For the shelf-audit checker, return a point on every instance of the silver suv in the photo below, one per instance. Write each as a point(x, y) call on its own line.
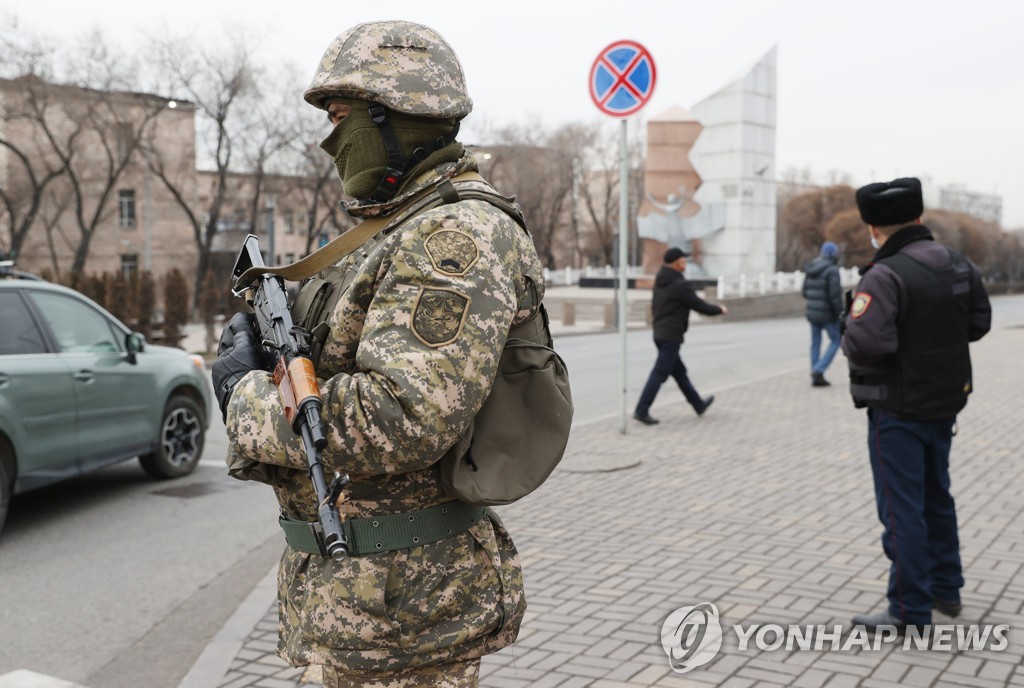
point(79, 391)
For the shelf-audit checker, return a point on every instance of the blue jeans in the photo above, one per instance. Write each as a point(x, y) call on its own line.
point(668, 363)
point(910, 468)
point(820, 363)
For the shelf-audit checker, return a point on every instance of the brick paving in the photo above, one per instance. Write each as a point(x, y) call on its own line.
point(764, 507)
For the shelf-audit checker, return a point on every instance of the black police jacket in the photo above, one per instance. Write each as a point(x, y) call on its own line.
point(917, 307)
point(672, 301)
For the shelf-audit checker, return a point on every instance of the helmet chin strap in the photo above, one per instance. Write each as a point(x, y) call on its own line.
point(398, 164)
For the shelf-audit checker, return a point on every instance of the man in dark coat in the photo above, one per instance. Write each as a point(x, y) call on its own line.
point(917, 307)
point(672, 302)
point(824, 296)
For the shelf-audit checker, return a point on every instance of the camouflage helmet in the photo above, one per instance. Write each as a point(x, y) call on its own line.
point(404, 66)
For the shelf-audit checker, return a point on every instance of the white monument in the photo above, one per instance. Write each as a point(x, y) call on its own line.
point(735, 158)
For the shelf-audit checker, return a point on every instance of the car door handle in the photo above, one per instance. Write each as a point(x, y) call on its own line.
point(4, 380)
point(85, 376)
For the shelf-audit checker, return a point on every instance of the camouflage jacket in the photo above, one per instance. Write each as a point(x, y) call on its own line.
point(413, 347)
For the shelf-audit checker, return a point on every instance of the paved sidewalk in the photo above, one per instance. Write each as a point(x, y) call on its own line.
point(763, 507)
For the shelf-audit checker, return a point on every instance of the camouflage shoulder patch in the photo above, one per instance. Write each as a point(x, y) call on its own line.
point(860, 304)
point(439, 315)
point(451, 252)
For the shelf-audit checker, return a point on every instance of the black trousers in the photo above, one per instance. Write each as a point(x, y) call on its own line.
point(669, 363)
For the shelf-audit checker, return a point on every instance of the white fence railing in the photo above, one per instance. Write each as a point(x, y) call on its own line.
point(568, 276)
point(775, 283)
point(728, 287)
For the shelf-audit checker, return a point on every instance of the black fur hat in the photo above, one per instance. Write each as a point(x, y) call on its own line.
point(890, 203)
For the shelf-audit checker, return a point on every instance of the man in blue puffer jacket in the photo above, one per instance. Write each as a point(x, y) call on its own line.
point(824, 295)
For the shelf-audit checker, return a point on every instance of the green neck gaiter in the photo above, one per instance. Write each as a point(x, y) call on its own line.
point(361, 158)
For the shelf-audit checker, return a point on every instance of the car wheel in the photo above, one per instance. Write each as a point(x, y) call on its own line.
point(180, 442)
point(5, 493)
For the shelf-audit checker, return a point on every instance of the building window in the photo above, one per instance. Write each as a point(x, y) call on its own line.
point(125, 140)
point(126, 206)
point(129, 264)
point(288, 217)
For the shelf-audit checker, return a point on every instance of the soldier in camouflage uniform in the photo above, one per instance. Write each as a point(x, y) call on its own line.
point(406, 352)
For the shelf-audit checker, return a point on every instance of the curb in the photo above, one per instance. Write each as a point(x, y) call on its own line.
point(215, 661)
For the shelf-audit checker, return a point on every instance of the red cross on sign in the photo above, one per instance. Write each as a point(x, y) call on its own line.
point(622, 78)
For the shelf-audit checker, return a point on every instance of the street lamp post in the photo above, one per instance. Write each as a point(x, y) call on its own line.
point(269, 221)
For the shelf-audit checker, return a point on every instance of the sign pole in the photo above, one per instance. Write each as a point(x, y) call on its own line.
point(623, 274)
point(621, 82)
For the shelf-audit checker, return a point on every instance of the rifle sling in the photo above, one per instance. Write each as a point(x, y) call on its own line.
point(339, 247)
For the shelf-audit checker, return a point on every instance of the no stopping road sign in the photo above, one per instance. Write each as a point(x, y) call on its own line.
point(622, 78)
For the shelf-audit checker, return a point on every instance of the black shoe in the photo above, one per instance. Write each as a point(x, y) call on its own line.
point(950, 608)
point(646, 418)
point(871, 622)
point(818, 380)
point(704, 406)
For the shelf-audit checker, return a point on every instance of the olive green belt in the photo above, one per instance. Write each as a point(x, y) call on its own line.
point(387, 533)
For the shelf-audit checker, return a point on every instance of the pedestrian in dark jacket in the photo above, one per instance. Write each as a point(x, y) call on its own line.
point(672, 302)
point(917, 307)
point(824, 295)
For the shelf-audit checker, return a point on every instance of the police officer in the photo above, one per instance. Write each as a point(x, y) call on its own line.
point(916, 308)
point(407, 334)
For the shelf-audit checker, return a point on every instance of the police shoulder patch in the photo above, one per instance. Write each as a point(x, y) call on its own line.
point(860, 304)
point(451, 252)
point(439, 315)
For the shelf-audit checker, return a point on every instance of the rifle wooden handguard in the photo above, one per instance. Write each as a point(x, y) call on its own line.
point(296, 382)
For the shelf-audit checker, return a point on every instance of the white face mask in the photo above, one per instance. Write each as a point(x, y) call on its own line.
point(874, 243)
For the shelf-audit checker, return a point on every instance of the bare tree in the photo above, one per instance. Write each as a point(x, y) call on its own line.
point(57, 201)
point(283, 142)
point(267, 129)
point(526, 160)
point(802, 221)
point(848, 231)
point(26, 65)
point(572, 141)
point(312, 176)
point(76, 118)
point(220, 80)
point(600, 193)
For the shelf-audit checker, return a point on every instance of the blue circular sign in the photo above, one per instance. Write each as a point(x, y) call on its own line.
point(622, 78)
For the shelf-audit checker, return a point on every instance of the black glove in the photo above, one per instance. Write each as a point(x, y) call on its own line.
point(239, 353)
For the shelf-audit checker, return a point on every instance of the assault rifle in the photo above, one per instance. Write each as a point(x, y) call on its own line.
point(288, 347)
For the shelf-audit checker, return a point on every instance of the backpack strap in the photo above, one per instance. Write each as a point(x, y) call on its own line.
point(536, 329)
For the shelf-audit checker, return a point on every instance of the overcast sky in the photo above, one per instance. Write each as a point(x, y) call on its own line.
point(872, 89)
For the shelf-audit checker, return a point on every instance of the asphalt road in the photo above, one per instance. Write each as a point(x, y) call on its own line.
point(116, 581)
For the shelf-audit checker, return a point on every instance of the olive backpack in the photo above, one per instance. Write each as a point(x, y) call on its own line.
point(520, 433)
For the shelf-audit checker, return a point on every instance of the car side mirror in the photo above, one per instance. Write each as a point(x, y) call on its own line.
point(135, 344)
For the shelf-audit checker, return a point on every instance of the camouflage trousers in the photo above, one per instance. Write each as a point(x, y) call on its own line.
point(461, 675)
